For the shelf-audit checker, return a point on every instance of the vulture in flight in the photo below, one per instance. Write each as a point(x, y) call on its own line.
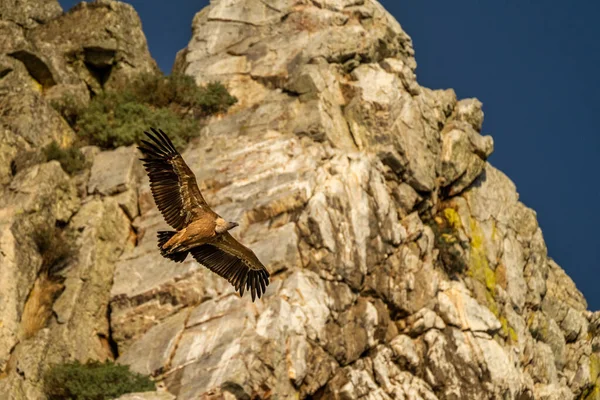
point(198, 229)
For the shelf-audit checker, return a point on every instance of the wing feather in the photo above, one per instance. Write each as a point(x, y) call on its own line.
point(172, 182)
point(236, 263)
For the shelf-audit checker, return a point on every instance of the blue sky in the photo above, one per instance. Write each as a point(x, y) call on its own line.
point(536, 70)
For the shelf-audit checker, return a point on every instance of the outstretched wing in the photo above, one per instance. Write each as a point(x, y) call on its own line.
point(234, 262)
point(172, 182)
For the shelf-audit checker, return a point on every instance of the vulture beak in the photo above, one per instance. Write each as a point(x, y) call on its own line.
point(231, 225)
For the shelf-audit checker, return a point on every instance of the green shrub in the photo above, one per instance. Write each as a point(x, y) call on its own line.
point(173, 103)
point(214, 98)
point(116, 119)
point(93, 381)
point(54, 248)
point(71, 159)
point(181, 91)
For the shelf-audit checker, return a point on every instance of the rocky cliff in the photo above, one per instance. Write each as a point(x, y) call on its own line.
point(403, 264)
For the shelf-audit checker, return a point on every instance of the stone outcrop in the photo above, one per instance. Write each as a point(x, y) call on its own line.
point(403, 264)
point(27, 13)
point(101, 43)
point(54, 315)
point(47, 55)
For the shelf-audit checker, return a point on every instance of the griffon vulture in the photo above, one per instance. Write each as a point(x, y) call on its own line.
point(198, 229)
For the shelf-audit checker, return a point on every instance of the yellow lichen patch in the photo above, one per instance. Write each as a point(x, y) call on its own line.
point(37, 86)
point(448, 238)
point(504, 323)
point(491, 302)
point(476, 234)
point(530, 320)
point(512, 334)
point(508, 330)
point(490, 279)
point(479, 267)
point(453, 218)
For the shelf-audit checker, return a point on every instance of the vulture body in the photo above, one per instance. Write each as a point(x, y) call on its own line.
point(199, 231)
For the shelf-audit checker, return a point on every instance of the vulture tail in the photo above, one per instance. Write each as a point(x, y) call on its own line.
point(163, 237)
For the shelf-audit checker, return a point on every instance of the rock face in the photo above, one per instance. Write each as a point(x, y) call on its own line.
point(46, 55)
point(403, 264)
point(29, 14)
point(52, 316)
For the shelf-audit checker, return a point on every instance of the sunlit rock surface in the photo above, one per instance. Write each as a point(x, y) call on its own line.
point(403, 264)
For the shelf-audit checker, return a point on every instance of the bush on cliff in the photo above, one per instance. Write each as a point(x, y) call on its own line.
point(93, 381)
point(174, 103)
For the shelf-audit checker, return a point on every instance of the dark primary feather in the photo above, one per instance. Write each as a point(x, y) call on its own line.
point(234, 262)
point(172, 182)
